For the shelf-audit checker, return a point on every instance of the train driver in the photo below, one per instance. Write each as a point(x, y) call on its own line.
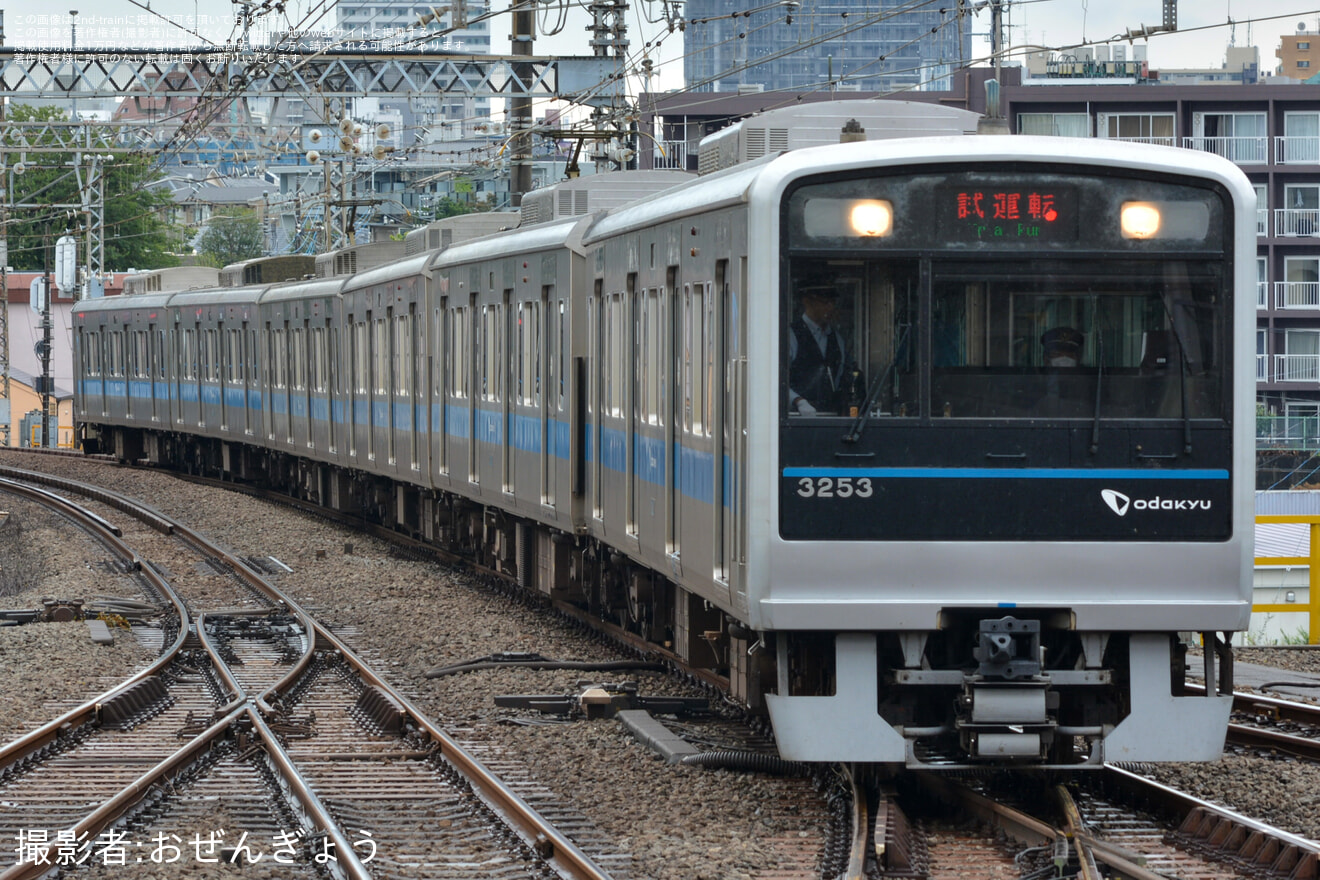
point(1062, 347)
point(817, 357)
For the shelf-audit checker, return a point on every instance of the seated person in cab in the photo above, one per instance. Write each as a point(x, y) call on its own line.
point(821, 375)
point(1062, 346)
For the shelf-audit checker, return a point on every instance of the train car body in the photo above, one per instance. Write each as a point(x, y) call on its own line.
point(935, 449)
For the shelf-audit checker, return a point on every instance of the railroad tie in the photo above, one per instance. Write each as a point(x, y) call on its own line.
point(137, 703)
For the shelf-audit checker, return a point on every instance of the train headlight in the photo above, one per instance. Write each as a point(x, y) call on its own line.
point(871, 217)
point(1139, 220)
point(848, 218)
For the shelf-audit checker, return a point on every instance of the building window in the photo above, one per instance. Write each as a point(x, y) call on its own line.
point(1056, 124)
point(1303, 64)
point(1303, 46)
point(1146, 128)
point(1238, 137)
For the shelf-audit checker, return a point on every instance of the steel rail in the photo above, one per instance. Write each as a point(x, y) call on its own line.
point(861, 836)
point(345, 860)
point(564, 856)
point(89, 711)
point(103, 816)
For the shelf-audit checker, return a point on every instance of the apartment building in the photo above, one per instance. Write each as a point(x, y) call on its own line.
point(846, 43)
point(1272, 132)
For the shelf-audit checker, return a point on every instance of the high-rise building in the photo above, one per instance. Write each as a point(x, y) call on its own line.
point(395, 24)
point(861, 45)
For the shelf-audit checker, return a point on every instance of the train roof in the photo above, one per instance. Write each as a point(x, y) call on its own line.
point(555, 233)
point(414, 265)
point(769, 175)
point(996, 148)
point(248, 293)
point(725, 187)
point(301, 289)
point(457, 229)
point(820, 123)
point(171, 278)
point(119, 303)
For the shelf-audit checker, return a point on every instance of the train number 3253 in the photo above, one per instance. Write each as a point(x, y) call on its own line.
point(834, 487)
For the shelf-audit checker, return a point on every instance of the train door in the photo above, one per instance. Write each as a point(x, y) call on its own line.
point(122, 372)
point(674, 415)
point(505, 366)
point(477, 348)
point(224, 372)
point(192, 398)
point(334, 384)
point(719, 400)
point(628, 361)
point(395, 394)
point(547, 383)
point(382, 421)
point(155, 358)
point(284, 341)
point(417, 373)
point(251, 380)
point(355, 383)
point(440, 388)
point(597, 407)
point(300, 413)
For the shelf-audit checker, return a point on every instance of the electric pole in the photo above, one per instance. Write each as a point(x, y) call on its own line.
point(520, 108)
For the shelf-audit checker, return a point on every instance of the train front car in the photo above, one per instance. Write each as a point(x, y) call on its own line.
point(1012, 440)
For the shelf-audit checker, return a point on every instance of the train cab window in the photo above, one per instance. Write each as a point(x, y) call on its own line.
point(1073, 339)
point(848, 338)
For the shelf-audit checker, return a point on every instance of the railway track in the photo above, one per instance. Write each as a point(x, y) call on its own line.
point(265, 641)
point(268, 696)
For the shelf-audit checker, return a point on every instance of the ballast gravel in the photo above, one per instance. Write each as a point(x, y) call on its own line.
point(407, 617)
point(678, 823)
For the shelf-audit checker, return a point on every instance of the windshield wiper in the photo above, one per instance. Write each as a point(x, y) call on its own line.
point(1099, 385)
point(1182, 377)
point(858, 426)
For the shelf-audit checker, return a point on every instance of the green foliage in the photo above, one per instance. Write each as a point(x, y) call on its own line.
point(135, 234)
point(448, 207)
point(1301, 637)
point(231, 235)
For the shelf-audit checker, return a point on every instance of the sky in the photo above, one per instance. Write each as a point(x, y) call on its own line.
point(1204, 30)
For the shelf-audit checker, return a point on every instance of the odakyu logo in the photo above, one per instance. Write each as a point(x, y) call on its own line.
point(1120, 503)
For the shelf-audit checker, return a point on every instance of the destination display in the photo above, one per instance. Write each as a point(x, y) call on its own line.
point(1007, 214)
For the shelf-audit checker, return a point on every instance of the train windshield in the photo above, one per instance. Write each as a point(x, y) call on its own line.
point(1035, 309)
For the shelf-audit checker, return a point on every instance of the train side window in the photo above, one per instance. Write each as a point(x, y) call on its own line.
point(690, 359)
point(213, 362)
point(380, 355)
point(563, 354)
point(402, 360)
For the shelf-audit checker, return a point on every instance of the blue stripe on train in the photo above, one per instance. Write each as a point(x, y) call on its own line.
point(944, 473)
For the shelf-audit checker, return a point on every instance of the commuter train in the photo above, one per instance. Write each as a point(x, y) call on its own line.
point(968, 552)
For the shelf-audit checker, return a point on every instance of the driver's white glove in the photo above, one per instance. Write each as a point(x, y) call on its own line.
point(805, 408)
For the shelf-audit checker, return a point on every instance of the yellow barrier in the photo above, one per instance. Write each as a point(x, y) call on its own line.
point(1312, 562)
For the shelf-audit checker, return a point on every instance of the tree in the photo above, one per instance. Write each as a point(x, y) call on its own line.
point(231, 235)
point(135, 233)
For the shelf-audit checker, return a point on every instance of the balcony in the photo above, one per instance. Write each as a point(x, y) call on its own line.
point(1297, 295)
point(1297, 222)
point(1287, 432)
point(1242, 150)
point(670, 154)
point(1158, 141)
point(1297, 368)
point(1297, 150)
